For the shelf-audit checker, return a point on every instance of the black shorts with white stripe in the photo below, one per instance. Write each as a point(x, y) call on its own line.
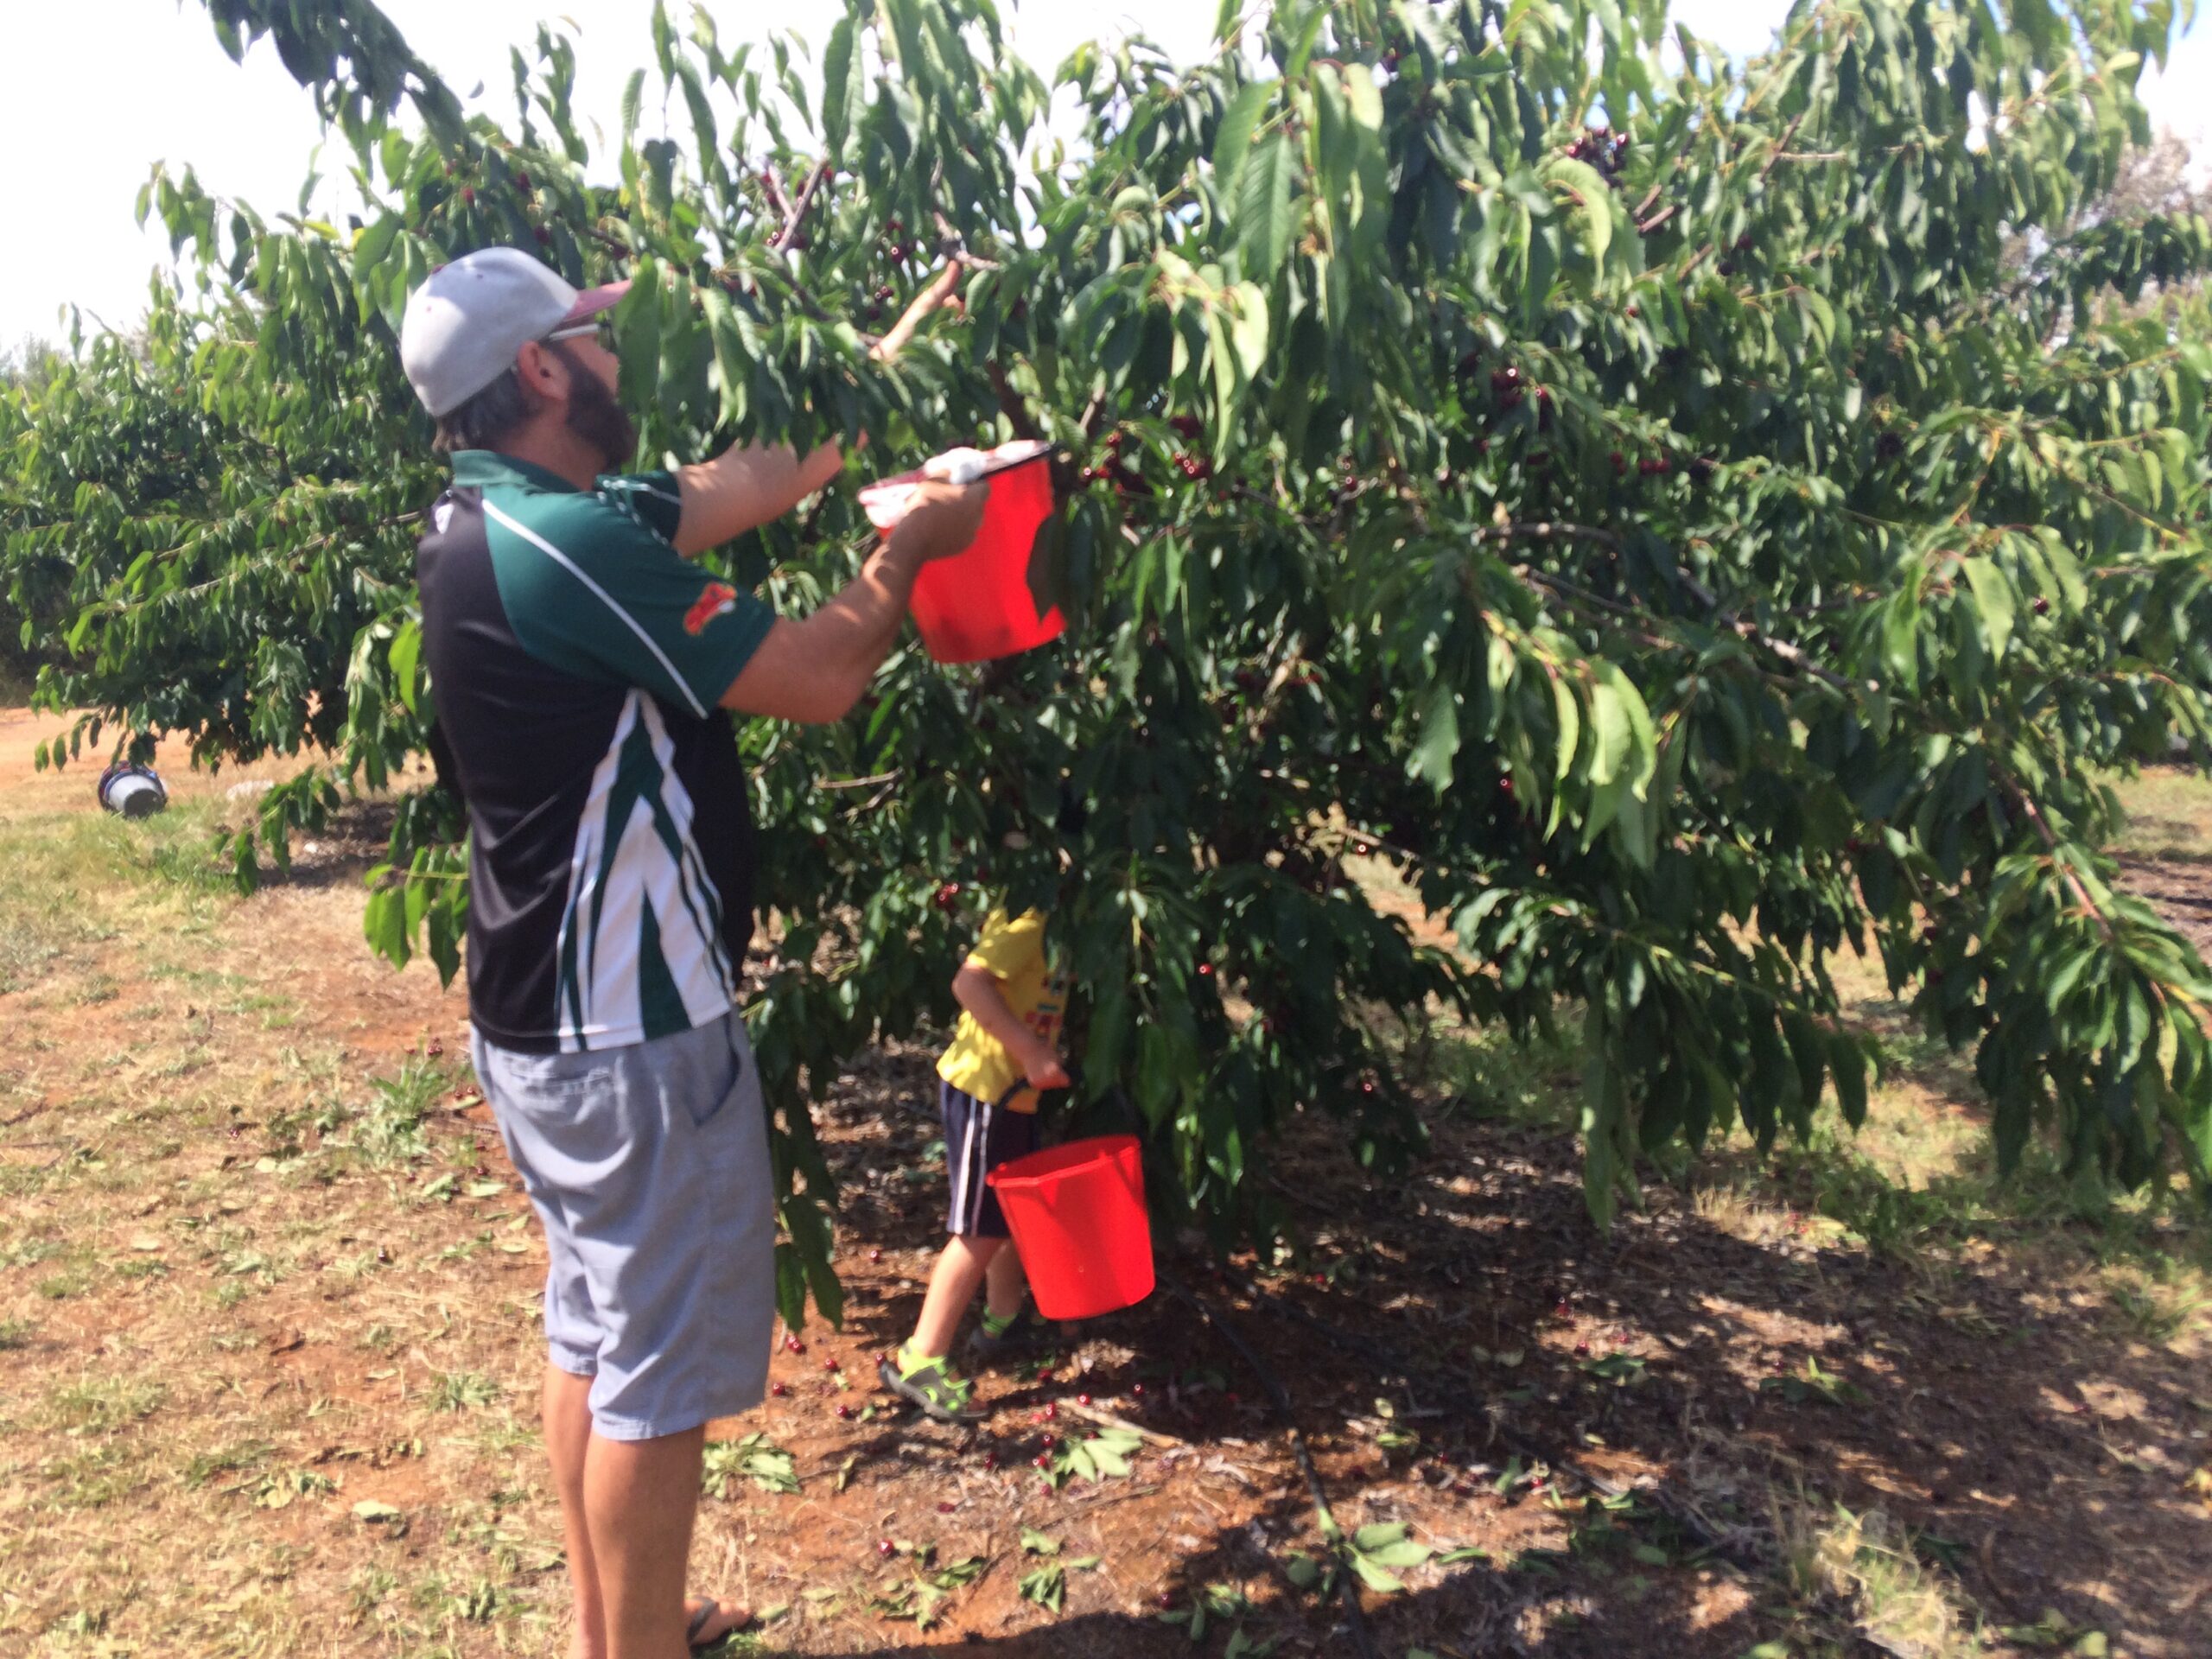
point(979, 1137)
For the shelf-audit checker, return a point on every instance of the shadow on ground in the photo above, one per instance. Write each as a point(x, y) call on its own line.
point(1736, 1368)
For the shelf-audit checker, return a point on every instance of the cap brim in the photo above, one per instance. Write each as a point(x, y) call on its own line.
point(592, 301)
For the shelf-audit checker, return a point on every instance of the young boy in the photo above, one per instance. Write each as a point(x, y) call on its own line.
point(1011, 1006)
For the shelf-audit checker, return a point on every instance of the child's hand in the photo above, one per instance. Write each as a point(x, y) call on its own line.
point(1044, 1069)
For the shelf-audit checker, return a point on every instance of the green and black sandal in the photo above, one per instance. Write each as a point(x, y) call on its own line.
point(930, 1382)
point(995, 1340)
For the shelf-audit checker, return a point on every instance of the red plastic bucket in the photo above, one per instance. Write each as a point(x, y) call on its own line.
point(981, 602)
point(1077, 1217)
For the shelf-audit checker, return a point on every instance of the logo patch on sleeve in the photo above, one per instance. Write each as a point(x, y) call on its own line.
point(715, 599)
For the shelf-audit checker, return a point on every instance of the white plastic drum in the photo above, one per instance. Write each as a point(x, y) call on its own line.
point(134, 791)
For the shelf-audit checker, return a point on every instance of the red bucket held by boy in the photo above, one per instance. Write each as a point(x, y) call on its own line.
point(1077, 1216)
point(982, 602)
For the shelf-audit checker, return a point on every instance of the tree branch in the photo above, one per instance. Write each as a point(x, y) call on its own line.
point(2027, 808)
point(797, 216)
point(1781, 650)
point(954, 245)
point(1793, 656)
point(614, 244)
point(777, 199)
point(1783, 144)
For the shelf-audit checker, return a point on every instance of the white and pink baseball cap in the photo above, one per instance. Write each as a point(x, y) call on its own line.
point(463, 327)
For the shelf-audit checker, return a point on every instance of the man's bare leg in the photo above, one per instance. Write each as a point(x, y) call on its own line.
point(639, 1500)
point(568, 1433)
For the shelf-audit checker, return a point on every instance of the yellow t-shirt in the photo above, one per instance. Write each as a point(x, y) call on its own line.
point(1013, 953)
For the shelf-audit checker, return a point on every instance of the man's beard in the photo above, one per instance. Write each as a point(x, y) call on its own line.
point(594, 416)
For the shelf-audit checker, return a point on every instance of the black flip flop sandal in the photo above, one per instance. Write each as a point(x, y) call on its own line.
point(708, 1608)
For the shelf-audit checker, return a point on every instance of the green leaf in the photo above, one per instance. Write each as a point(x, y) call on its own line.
point(1567, 713)
point(405, 657)
point(1610, 735)
point(1589, 197)
point(1046, 1585)
point(1439, 740)
point(1232, 144)
point(844, 86)
point(1993, 597)
point(1263, 211)
point(1247, 329)
point(1375, 1577)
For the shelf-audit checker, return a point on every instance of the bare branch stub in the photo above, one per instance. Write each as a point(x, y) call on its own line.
point(795, 217)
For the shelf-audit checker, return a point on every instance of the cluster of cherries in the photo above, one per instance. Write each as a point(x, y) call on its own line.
point(895, 251)
point(1127, 479)
point(1602, 149)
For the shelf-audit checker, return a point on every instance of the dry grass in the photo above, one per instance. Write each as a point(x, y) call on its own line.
point(1889, 1597)
point(2169, 813)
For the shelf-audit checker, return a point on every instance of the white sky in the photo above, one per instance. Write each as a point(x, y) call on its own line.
point(166, 91)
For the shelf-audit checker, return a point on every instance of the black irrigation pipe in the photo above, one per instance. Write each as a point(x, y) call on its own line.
point(1443, 1388)
point(1347, 1581)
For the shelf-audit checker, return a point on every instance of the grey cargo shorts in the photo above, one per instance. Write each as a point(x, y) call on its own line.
point(649, 1167)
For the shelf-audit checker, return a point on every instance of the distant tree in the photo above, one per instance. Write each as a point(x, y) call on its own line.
point(31, 363)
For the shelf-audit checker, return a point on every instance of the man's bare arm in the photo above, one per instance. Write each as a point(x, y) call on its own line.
point(814, 669)
point(745, 486)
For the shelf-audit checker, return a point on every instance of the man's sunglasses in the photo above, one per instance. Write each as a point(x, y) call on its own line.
point(600, 327)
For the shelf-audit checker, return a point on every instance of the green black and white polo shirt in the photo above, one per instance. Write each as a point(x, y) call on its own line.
point(577, 663)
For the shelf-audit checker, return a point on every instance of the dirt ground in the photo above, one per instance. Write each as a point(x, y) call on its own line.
point(268, 1317)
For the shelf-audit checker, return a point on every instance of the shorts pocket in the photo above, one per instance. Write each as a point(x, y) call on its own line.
point(707, 1103)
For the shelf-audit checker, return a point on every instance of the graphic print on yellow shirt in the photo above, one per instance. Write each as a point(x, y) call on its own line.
point(1012, 952)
